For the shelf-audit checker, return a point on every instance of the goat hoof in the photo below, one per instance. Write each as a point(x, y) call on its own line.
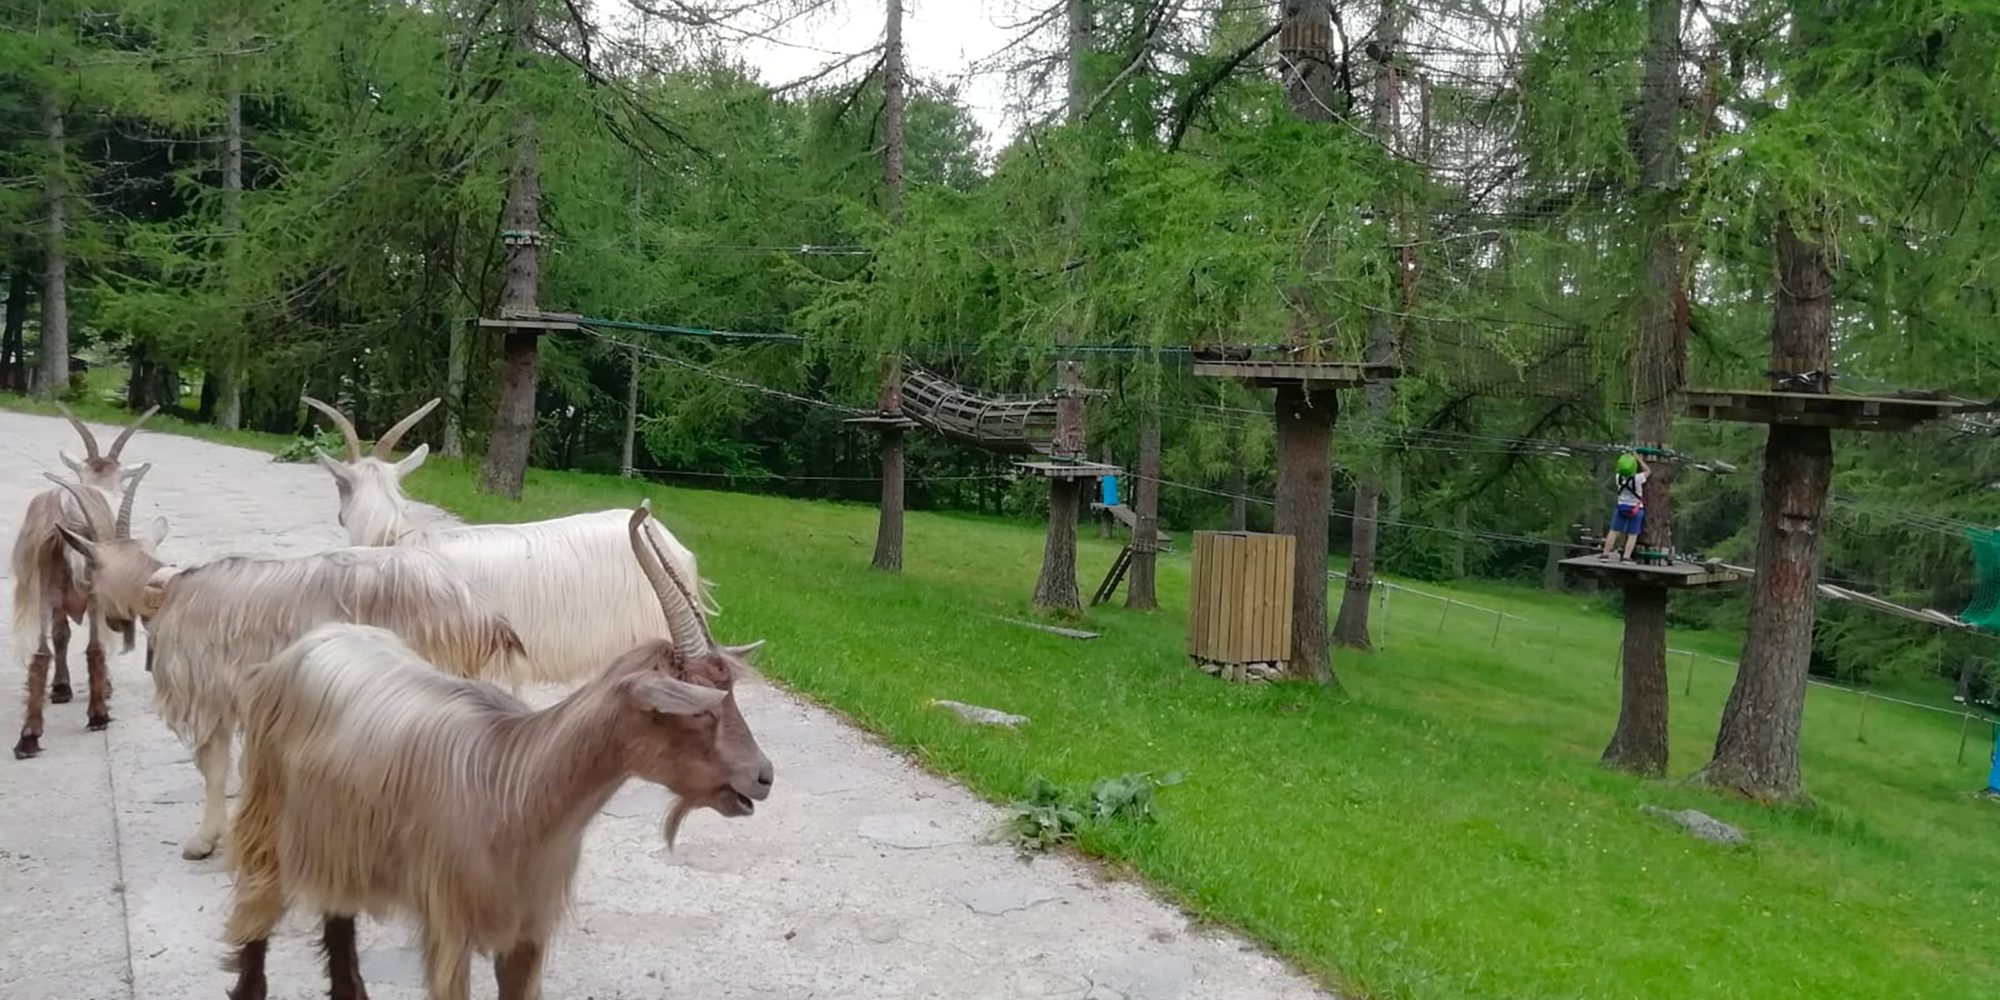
point(61, 694)
point(98, 722)
point(196, 850)
point(29, 746)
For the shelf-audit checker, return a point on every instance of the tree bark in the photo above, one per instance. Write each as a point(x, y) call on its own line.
point(1639, 743)
point(13, 335)
point(457, 343)
point(53, 380)
point(1305, 488)
point(512, 438)
point(1139, 589)
point(1351, 627)
point(1305, 419)
point(229, 372)
point(625, 444)
point(1757, 746)
point(1239, 497)
point(1056, 587)
point(889, 522)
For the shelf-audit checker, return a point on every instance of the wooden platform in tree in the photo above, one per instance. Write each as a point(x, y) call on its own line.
point(1314, 374)
point(1056, 468)
point(1810, 409)
point(536, 322)
point(1674, 574)
point(882, 420)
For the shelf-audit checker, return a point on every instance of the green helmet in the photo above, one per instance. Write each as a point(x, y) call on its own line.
point(1628, 465)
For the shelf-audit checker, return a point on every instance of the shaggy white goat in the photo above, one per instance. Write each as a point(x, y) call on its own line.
point(567, 583)
point(208, 624)
point(51, 589)
point(374, 784)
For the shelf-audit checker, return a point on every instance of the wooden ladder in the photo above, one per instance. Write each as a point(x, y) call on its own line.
point(1113, 578)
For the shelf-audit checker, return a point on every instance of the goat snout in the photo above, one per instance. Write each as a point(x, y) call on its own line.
point(763, 787)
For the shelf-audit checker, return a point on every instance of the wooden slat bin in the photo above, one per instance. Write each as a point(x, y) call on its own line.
point(1240, 610)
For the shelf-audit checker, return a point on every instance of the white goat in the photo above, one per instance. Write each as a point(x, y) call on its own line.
point(374, 784)
point(208, 624)
point(52, 589)
point(566, 583)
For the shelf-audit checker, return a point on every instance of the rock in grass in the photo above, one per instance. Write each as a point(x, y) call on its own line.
point(1700, 824)
point(978, 714)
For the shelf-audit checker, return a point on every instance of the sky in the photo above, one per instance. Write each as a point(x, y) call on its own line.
point(945, 43)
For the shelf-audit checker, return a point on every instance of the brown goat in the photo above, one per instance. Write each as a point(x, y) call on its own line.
point(51, 590)
point(101, 470)
point(373, 783)
point(46, 583)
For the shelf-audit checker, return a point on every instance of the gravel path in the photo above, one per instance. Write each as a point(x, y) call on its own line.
point(863, 876)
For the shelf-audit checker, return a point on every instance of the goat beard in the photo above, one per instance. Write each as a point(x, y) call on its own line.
point(672, 827)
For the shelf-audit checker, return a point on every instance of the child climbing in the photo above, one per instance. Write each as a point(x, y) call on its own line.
point(1630, 518)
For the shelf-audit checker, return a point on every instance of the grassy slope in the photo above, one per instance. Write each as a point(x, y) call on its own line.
point(1441, 831)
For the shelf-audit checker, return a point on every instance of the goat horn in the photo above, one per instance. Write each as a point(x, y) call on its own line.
point(89, 439)
point(96, 513)
point(690, 633)
point(394, 434)
point(345, 425)
point(123, 529)
point(126, 434)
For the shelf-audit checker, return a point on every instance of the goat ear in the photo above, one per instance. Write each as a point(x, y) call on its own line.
point(74, 465)
point(331, 464)
point(412, 460)
point(741, 652)
point(669, 696)
point(76, 540)
point(156, 532)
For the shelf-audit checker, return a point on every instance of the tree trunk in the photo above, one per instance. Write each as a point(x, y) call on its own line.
point(1305, 419)
point(1139, 593)
point(1757, 747)
point(13, 336)
point(1968, 671)
point(625, 443)
point(1351, 628)
point(1639, 743)
point(1056, 587)
point(53, 380)
point(229, 373)
point(1239, 486)
point(457, 343)
point(1305, 489)
point(513, 434)
point(889, 521)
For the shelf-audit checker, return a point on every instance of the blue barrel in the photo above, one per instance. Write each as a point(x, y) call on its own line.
point(1993, 776)
point(1109, 486)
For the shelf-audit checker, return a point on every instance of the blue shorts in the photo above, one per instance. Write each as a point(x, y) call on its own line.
point(1628, 519)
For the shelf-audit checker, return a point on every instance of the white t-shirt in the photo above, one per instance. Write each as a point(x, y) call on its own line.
point(1632, 490)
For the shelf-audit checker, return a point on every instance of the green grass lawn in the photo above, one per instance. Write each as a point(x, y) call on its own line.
point(1440, 829)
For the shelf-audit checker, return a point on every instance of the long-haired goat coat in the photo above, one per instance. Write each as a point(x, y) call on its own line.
point(375, 784)
point(208, 624)
point(567, 584)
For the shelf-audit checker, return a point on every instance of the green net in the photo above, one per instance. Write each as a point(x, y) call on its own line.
point(1984, 609)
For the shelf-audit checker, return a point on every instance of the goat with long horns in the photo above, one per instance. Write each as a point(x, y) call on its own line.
point(52, 589)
